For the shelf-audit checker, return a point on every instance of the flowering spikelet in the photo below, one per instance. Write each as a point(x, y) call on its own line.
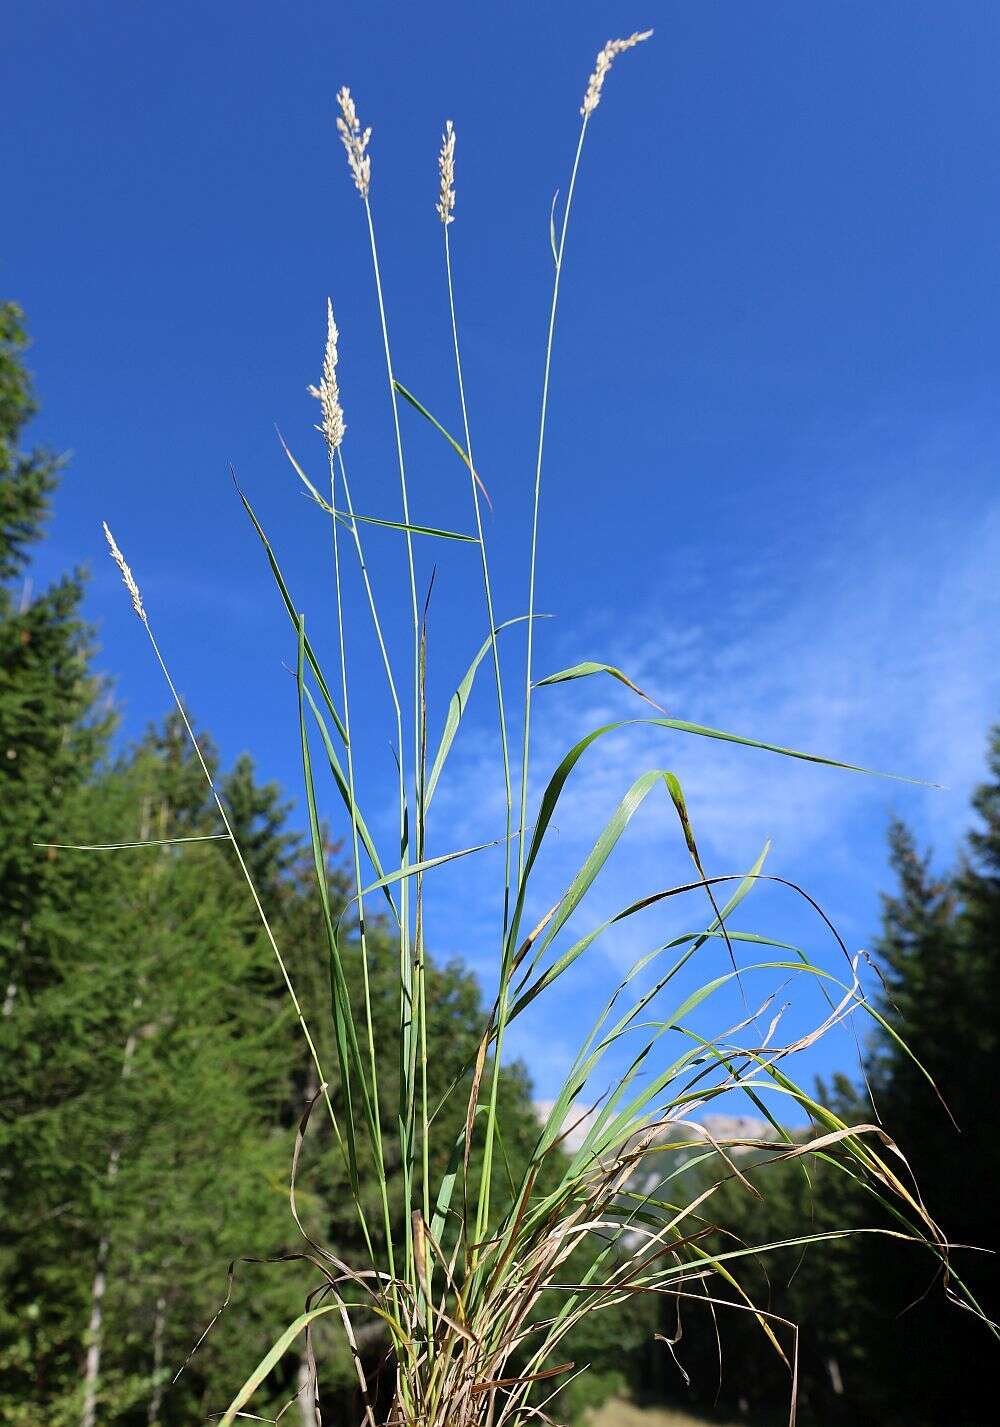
point(446, 167)
point(355, 142)
point(604, 62)
point(127, 577)
point(327, 393)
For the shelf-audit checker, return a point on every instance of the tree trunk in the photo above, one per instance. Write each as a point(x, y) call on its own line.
point(95, 1328)
point(306, 1395)
point(95, 1335)
point(159, 1329)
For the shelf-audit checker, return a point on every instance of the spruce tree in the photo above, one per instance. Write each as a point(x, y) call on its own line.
point(142, 1137)
point(941, 952)
point(51, 730)
point(51, 736)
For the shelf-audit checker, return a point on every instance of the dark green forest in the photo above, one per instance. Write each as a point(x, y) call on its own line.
point(155, 1079)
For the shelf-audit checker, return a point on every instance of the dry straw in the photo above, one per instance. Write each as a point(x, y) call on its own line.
point(355, 141)
point(126, 574)
point(327, 393)
point(604, 62)
point(446, 168)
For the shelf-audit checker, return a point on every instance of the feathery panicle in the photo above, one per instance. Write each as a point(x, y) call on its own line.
point(604, 62)
point(355, 141)
point(446, 167)
point(327, 393)
point(127, 577)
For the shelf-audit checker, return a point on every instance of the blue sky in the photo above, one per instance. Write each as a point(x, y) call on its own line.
point(770, 490)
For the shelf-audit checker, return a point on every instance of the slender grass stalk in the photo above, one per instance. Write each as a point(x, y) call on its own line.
point(401, 462)
point(372, 605)
point(445, 212)
point(359, 161)
point(358, 883)
point(539, 451)
point(333, 428)
point(446, 205)
point(403, 1127)
point(503, 1000)
point(414, 959)
point(356, 143)
point(591, 100)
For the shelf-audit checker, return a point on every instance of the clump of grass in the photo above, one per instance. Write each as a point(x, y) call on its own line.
point(464, 1290)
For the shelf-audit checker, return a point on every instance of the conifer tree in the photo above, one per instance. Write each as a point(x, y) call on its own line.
point(51, 736)
point(51, 732)
point(142, 1142)
point(941, 952)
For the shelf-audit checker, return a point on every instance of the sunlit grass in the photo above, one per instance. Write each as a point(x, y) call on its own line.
point(478, 1287)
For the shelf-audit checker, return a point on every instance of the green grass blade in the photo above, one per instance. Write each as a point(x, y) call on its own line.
point(301, 473)
point(447, 1186)
point(588, 667)
point(456, 708)
point(702, 731)
point(557, 782)
point(414, 869)
point(343, 787)
point(339, 1000)
point(433, 530)
point(348, 1050)
point(588, 1059)
point(600, 852)
point(271, 1359)
point(459, 450)
point(579, 947)
point(293, 615)
point(347, 517)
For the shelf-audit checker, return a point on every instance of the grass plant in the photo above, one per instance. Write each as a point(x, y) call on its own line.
point(472, 1284)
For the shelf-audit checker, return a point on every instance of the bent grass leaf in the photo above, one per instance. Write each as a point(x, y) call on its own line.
point(557, 782)
point(459, 450)
point(293, 615)
point(300, 472)
point(347, 517)
point(271, 1359)
point(119, 846)
point(343, 787)
point(447, 1186)
point(588, 667)
point(456, 708)
point(587, 1058)
point(336, 768)
point(415, 869)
